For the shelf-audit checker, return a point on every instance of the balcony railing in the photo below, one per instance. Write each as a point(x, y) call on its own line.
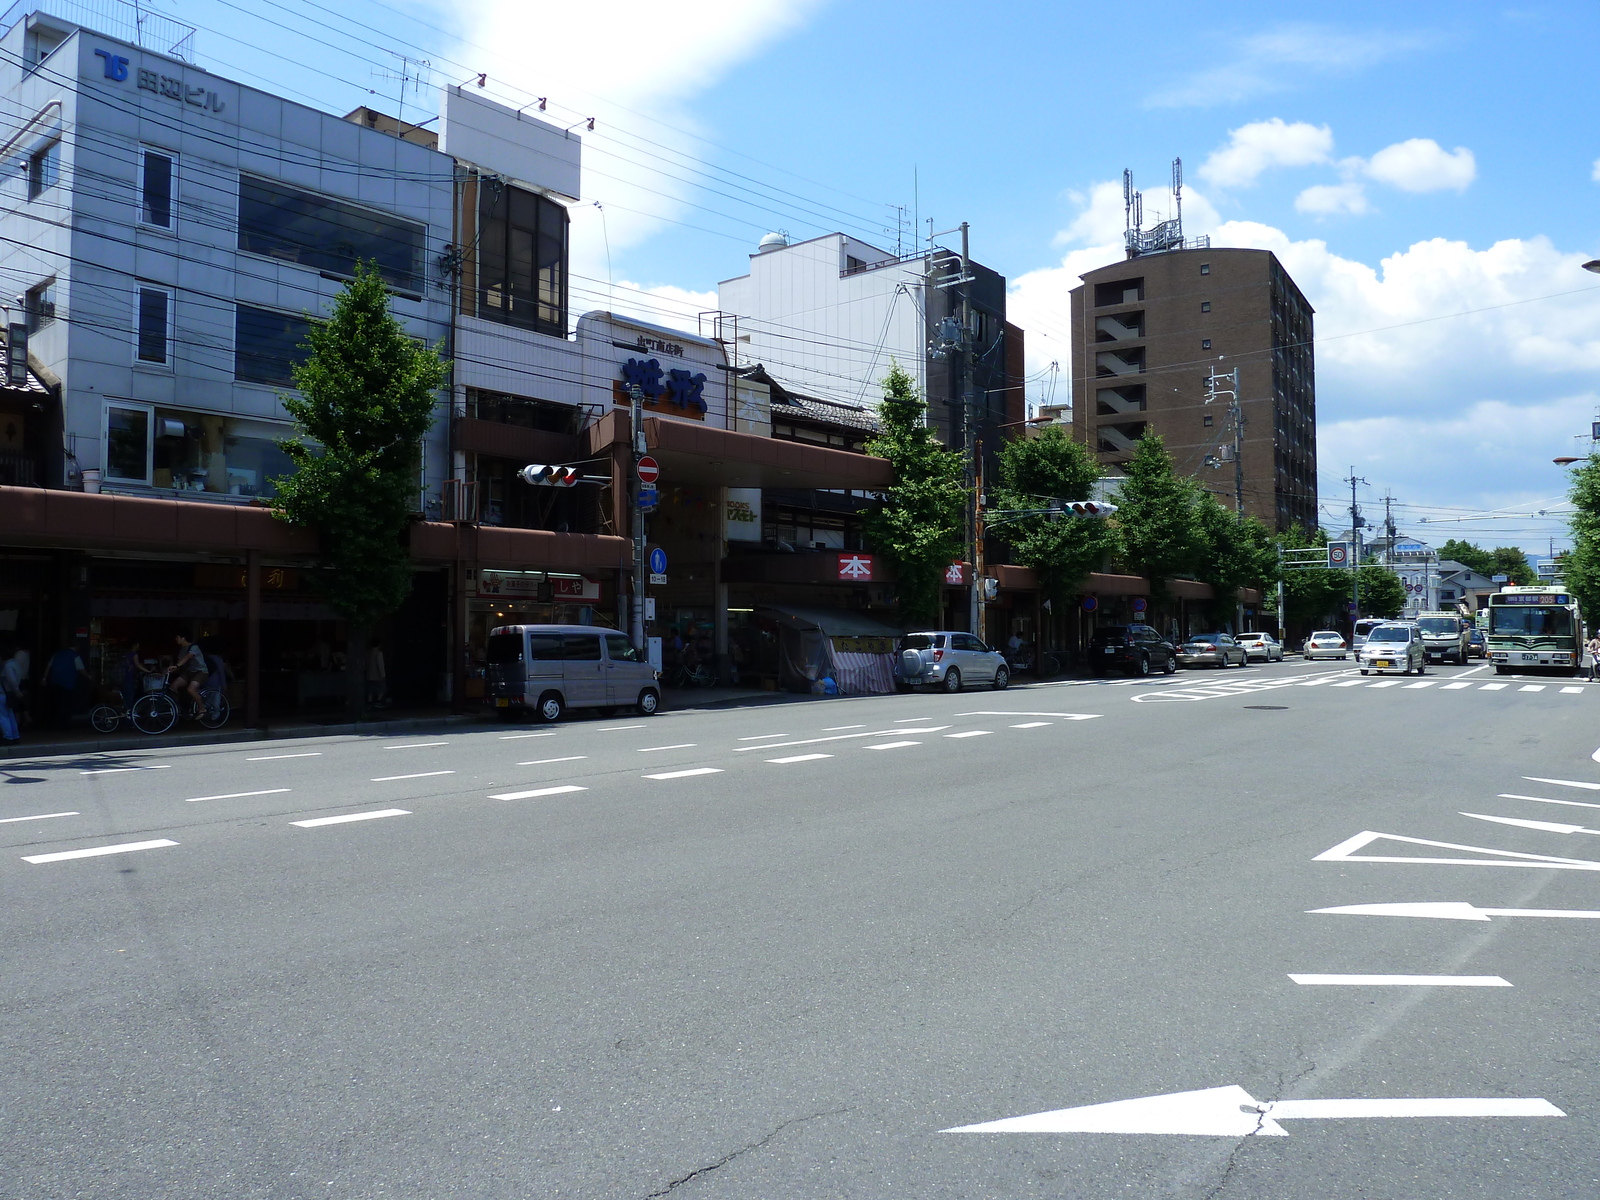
point(20, 470)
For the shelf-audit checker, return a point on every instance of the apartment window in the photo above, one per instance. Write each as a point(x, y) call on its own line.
point(522, 259)
point(153, 346)
point(1207, 420)
point(128, 442)
point(1119, 291)
point(44, 169)
point(1205, 343)
point(297, 226)
point(40, 305)
point(266, 344)
point(1205, 306)
point(156, 179)
point(1205, 268)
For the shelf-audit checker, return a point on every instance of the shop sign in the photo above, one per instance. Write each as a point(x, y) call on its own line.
point(955, 575)
point(220, 575)
point(742, 515)
point(580, 590)
point(675, 391)
point(855, 568)
point(498, 583)
point(170, 86)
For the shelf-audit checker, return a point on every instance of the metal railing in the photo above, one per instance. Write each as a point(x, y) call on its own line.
point(131, 22)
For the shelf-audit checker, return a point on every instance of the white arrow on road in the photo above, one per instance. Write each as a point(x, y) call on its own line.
point(1232, 1112)
point(1453, 910)
point(1542, 826)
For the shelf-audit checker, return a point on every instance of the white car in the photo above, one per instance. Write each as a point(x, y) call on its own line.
point(1262, 646)
point(1394, 647)
point(1326, 643)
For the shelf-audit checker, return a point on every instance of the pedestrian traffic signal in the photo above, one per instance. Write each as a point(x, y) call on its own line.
point(542, 475)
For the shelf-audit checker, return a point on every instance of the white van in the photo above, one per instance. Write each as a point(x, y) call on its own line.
point(548, 669)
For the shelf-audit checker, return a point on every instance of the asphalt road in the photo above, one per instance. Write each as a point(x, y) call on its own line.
point(776, 952)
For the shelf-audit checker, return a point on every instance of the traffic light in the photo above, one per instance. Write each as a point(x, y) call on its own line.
point(1089, 508)
point(543, 475)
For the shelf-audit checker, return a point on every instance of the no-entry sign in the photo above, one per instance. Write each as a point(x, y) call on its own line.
point(649, 470)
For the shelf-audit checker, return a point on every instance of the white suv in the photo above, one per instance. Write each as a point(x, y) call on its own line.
point(1393, 647)
point(949, 661)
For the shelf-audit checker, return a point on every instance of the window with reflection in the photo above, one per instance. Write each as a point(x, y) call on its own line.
point(522, 259)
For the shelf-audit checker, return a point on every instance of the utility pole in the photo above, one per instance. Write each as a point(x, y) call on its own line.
point(1388, 530)
point(971, 444)
point(636, 412)
point(1227, 384)
point(1355, 554)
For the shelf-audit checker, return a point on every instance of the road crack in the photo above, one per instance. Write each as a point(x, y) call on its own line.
point(1263, 1111)
point(742, 1150)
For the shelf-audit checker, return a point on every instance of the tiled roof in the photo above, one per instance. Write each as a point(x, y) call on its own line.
point(34, 388)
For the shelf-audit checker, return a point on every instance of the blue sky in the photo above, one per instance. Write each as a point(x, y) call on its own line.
point(1409, 163)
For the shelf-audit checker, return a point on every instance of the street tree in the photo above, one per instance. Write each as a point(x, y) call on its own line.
point(1156, 516)
point(367, 392)
point(1231, 554)
point(1582, 573)
point(919, 526)
point(1061, 551)
point(1382, 592)
point(1509, 561)
point(1314, 597)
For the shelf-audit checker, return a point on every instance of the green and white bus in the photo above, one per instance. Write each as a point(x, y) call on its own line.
point(1534, 627)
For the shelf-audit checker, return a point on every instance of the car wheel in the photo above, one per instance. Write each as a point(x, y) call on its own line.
point(648, 703)
point(1143, 667)
point(1002, 679)
point(952, 680)
point(1172, 665)
point(550, 707)
point(1363, 670)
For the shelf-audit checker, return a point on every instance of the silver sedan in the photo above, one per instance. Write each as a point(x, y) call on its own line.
point(1212, 650)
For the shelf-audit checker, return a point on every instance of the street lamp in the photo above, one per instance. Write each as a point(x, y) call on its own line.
point(1592, 265)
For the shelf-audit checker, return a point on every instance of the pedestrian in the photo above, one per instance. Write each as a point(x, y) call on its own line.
point(377, 675)
point(132, 676)
point(1591, 653)
point(62, 675)
point(14, 683)
point(9, 729)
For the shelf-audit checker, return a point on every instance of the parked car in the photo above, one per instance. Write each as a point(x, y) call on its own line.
point(1477, 643)
point(547, 669)
point(1393, 647)
point(1136, 649)
point(1261, 646)
point(1326, 643)
point(949, 661)
point(1212, 649)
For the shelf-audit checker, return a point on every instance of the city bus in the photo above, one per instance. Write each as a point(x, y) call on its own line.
point(1534, 627)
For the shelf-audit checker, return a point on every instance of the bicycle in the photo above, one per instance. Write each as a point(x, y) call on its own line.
point(156, 712)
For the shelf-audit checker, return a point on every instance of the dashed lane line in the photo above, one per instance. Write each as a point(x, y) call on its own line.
point(512, 737)
point(841, 737)
point(97, 851)
point(540, 762)
point(762, 737)
point(835, 728)
point(120, 770)
point(1400, 980)
point(653, 749)
point(615, 728)
point(415, 745)
point(687, 774)
point(237, 795)
point(1033, 724)
point(562, 790)
point(891, 745)
point(1572, 783)
point(373, 815)
point(418, 775)
point(971, 733)
point(1547, 800)
point(274, 757)
point(794, 758)
point(39, 817)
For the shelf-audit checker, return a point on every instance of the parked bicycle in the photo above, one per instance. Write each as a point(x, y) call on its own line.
point(699, 675)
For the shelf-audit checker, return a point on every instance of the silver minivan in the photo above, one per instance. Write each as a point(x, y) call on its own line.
point(547, 669)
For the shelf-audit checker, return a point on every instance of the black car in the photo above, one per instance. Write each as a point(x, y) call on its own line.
point(1136, 649)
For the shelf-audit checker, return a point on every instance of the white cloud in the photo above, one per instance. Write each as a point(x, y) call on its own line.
point(1262, 145)
point(1422, 165)
point(1331, 199)
point(1449, 373)
point(1277, 61)
point(660, 304)
point(1595, 174)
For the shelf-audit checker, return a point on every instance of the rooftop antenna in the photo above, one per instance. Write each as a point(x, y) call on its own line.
point(414, 73)
point(1177, 192)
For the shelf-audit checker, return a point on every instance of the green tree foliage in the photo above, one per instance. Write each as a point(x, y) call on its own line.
point(1155, 518)
point(1230, 553)
point(1313, 597)
point(1513, 564)
point(920, 525)
point(1382, 593)
point(1061, 551)
point(367, 393)
point(1582, 572)
point(1502, 560)
point(1468, 555)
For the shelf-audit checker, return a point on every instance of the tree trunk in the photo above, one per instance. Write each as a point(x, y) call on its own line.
point(356, 669)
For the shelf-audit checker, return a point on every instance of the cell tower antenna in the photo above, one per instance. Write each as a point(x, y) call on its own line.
point(1177, 191)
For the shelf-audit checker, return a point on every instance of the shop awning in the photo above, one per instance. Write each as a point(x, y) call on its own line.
point(832, 622)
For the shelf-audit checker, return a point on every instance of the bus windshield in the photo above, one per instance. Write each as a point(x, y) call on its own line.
point(1530, 621)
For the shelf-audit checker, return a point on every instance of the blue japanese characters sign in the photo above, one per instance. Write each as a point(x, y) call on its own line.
point(675, 388)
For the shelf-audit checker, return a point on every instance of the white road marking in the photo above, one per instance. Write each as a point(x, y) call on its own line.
point(653, 749)
point(832, 728)
point(236, 795)
point(891, 745)
point(908, 720)
point(97, 851)
point(1349, 683)
point(839, 737)
point(761, 737)
point(549, 791)
point(1345, 852)
point(1454, 687)
point(374, 815)
point(1573, 783)
point(540, 762)
point(616, 728)
point(686, 774)
point(1316, 682)
point(1422, 683)
point(1572, 691)
point(418, 775)
point(1385, 683)
point(794, 758)
point(512, 737)
point(1400, 980)
point(1541, 826)
point(991, 712)
point(1494, 687)
point(1547, 800)
point(1232, 1112)
point(1454, 910)
point(272, 757)
point(1471, 671)
point(1032, 724)
point(40, 817)
point(119, 770)
point(1531, 687)
point(971, 733)
point(415, 745)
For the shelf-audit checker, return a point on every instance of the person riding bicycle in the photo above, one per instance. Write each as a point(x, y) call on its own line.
point(190, 671)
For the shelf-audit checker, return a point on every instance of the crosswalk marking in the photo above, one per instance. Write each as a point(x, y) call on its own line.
point(1348, 683)
point(1493, 687)
point(1531, 687)
point(1422, 683)
point(1382, 683)
point(97, 851)
point(1454, 687)
point(1572, 691)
